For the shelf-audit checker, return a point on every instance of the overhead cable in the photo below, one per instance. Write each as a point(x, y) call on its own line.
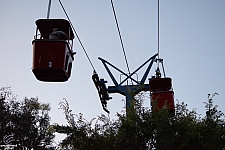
point(121, 41)
point(158, 30)
point(77, 36)
point(49, 7)
point(159, 60)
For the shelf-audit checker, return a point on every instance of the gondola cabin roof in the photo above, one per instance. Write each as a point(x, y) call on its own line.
point(46, 26)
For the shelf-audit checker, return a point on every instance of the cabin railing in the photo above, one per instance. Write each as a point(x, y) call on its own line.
point(46, 38)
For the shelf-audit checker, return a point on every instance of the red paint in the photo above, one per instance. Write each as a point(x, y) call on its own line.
point(161, 94)
point(161, 99)
point(49, 60)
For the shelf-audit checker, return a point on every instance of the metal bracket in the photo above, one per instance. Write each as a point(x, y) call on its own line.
point(125, 90)
point(102, 91)
point(129, 76)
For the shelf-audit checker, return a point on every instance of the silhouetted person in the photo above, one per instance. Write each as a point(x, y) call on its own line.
point(57, 34)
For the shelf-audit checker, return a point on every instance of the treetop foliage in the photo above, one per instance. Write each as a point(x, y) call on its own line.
point(138, 128)
point(143, 129)
point(24, 123)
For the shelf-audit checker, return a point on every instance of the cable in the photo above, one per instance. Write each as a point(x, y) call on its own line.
point(158, 32)
point(49, 6)
point(159, 60)
point(121, 41)
point(77, 36)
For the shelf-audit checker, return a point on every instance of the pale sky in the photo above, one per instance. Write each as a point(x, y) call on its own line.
point(192, 44)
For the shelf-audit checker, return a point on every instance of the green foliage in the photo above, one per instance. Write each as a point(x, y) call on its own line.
point(143, 129)
point(27, 121)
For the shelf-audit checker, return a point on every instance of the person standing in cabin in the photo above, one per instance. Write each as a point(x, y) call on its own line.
point(57, 34)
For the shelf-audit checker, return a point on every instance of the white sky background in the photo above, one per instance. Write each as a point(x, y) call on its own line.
point(192, 44)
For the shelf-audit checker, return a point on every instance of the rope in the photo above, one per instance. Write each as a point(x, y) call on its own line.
point(121, 41)
point(77, 36)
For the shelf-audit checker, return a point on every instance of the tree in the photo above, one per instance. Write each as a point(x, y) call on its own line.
point(26, 122)
point(144, 129)
point(4, 115)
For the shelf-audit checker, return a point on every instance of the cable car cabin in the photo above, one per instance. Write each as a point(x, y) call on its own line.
point(161, 94)
point(52, 50)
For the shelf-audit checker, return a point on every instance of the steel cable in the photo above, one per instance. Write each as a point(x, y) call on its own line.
point(121, 41)
point(77, 37)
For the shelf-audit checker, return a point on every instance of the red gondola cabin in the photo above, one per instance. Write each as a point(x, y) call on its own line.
point(52, 50)
point(161, 94)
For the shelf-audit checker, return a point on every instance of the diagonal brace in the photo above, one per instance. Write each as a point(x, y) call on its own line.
point(146, 72)
point(128, 76)
point(111, 75)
